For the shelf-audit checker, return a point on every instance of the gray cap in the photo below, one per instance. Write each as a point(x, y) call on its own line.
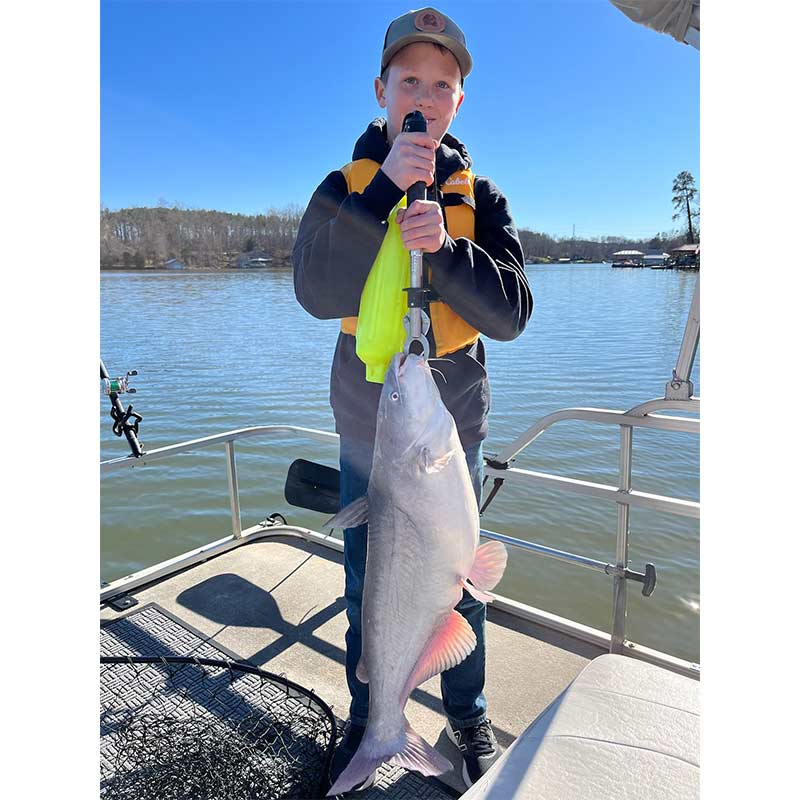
point(426, 25)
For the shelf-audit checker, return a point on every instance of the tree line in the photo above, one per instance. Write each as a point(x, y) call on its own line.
point(540, 247)
point(149, 237)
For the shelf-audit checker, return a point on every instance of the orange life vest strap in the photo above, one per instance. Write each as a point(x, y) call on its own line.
point(450, 331)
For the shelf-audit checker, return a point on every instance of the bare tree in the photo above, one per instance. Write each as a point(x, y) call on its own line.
point(213, 239)
point(197, 237)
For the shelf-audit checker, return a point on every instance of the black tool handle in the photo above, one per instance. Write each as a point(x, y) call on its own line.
point(414, 122)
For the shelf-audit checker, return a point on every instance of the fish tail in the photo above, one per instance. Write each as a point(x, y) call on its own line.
point(420, 756)
point(409, 750)
point(371, 753)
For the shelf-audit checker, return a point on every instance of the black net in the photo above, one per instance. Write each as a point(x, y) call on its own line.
point(181, 728)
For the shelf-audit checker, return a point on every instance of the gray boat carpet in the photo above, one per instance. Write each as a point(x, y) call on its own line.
point(153, 631)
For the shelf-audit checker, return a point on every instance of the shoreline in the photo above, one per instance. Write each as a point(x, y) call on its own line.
point(288, 266)
point(122, 268)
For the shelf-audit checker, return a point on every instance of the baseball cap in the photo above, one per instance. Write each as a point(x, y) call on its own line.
point(426, 25)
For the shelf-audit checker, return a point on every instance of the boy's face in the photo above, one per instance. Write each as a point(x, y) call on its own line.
point(424, 78)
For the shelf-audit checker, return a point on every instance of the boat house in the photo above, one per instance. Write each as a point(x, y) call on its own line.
point(656, 260)
point(628, 258)
point(686, 256)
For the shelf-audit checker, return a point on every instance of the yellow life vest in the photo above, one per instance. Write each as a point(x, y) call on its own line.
point(450, 331)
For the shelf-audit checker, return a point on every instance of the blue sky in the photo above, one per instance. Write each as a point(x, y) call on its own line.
point(579, 115)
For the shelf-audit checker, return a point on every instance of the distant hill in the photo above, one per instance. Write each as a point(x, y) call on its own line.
point(149, 237)
point(200, 239)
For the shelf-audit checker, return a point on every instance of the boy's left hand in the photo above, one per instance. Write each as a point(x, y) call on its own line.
point(422, 226)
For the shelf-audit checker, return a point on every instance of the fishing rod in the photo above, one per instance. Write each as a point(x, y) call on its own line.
point(113, 387)
point(416, 321)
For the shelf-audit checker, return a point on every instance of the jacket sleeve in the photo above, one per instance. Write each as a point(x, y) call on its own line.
point(484, 281)
point(339, 236)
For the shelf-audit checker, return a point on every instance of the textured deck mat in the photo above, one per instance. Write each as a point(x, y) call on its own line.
point(152, 631)
point(204, 728)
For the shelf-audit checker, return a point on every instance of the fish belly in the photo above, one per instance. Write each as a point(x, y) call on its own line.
point(411, 585)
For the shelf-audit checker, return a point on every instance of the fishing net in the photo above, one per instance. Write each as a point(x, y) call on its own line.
point(180, 728)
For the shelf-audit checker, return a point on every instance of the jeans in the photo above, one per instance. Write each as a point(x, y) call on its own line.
point(462, 686)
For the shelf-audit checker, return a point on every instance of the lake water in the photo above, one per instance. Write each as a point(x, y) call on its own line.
point(225, 350)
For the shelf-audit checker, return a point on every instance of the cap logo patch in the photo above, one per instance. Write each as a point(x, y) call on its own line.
point(429, 21)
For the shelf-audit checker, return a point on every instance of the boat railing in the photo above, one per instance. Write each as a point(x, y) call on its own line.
point(622, 493)
point(497, 466)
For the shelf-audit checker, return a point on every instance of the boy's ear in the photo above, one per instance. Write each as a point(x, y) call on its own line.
point(460, 101)
point(380, 92)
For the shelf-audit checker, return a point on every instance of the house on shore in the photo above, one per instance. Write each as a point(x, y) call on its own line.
point(256, 259)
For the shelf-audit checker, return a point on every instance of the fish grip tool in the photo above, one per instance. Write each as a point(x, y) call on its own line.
point(189, 728)
point(416, 322)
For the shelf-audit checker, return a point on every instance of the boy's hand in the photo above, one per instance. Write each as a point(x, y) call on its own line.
point(422, 226)
point(410, 160)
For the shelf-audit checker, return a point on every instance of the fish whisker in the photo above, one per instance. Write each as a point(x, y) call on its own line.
point(439, 372)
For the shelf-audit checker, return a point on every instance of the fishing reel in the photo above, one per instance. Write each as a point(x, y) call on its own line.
point(126, 420)
point(119, 385)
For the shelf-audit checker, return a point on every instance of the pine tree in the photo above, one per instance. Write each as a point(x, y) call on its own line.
point(683, 195)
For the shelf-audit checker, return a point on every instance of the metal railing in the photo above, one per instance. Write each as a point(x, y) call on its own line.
point(622, 494)
point(228, 439)
point(499, 466)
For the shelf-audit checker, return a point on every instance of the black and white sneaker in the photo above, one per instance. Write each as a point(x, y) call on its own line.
point(478, 747)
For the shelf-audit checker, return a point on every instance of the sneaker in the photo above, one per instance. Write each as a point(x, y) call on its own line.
point(345, 751)
point(478, 747)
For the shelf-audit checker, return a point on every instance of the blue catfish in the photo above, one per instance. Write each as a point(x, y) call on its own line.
point(422, 551)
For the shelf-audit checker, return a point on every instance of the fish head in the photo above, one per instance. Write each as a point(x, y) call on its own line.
point(413, 423)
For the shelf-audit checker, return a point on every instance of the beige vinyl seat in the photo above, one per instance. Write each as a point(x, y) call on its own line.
point(622, 729)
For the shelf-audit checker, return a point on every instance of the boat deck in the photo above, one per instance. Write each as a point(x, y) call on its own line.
point(278, 603)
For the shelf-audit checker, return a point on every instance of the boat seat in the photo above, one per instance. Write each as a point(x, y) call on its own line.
point(621, 729)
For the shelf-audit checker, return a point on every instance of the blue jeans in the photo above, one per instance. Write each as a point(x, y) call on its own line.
point(462, 686)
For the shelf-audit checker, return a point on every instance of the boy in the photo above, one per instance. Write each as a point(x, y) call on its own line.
point(477, 283)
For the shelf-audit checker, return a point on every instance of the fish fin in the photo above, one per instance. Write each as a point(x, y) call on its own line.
point(450, 644)
point(484, 597)
point(368, 757)
point(361, 671)
point(431, 464)
point(351, 516)
point(489, 565)
point(415, 753)
point(420, 756)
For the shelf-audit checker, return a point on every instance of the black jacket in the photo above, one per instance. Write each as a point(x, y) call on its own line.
point(483, 281)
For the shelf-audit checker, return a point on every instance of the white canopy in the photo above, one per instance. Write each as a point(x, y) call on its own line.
point(679, 18)
point(628, 253)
